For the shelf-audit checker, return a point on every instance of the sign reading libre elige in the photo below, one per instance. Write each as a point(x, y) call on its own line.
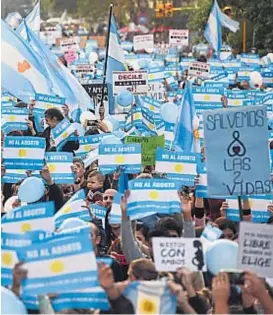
point(237, 156)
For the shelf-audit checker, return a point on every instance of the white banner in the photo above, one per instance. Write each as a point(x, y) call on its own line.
point(134, 81)
point(179, 37)
point(144, 42)
point(199, 69)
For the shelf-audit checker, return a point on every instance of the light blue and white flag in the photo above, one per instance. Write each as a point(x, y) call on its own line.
point(21, 64)
point(250, 60)
point(64, 83)
point(89, 143)
point(179, 167)
point(32, 21)
point(44, 102)
point(213, 30)
point(236, 97)
point(112, 156)
point(59, 265)
point(185, 63)
point(169, 135)
point(148, 120)
point(25, 153)
point(244, 74)
point(116, 60)
point(258, 206)
point(94, 298)
point(13, 119)
point(13, 19)
point(156, 74)
point(150, 103)
point(59, 164)
point(32, 217)
point(9, 244)
point(115, 214)
point(152, 195)
point(151, 297)
point(185, 122)
point(268, 78)
point(227, 22)
point(207, 98)
point(61, 133)
point(13, 176)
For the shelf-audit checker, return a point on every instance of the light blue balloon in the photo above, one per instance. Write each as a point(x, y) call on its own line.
point(222, 254)
point(110, 140)
point(71, 223)
point(32, 189)
point(125, 98)
point(168, 112)
point(10, 304)
point(79, 127)
point(113, 121)
point(143, 63)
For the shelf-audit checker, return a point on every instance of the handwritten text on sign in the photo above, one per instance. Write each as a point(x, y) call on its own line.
point(256, 248)
point(173, 253)
point(236, 144)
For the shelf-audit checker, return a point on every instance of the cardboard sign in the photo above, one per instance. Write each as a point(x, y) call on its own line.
point(70, 56)
point(199, 69)
point(236, 142)
point(156, 90)
point(68, 44)
point(144, 42)
point(134, 81)
point(95, 90)
point(173, 253)
point(148, 147)
point(179, 37)
point(256, 248)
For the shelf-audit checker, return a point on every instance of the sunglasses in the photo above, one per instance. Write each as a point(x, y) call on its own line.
point(108, 198)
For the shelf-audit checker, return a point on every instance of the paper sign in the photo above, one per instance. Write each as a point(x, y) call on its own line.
point(68, 44)
point(173, 253)
point(156, 90)
point(180, 37)
point(148, 147)
point(44, 102)
point(256, 248)
point(236, 144)
point(134, 81)
point(95, 91)
point(199, 69)
point(144, 42)
point(70, 56)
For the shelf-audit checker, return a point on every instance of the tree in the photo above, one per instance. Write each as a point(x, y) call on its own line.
point(95, 11)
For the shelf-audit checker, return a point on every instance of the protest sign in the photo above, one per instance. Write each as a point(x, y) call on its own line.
point(59, 164)
point(256, 248)
point(13, 119)
point(144, 42)
point(134, 81)
point(68, 44)
point(95, 91)
point(153, 195)
point(156, 90)
point(32, 217)
point(173, 253)
point(148, 147)
point(199, 69)
point(61, 133)
point(88, 143)
point(51, 265)
point(70, 56)
point(44, 102)
point(113, 155)
point(237, 156)
point(25, 153)
point(179, 37)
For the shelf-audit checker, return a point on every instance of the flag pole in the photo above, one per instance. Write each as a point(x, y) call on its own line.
point(102, 111)
point(240, 208)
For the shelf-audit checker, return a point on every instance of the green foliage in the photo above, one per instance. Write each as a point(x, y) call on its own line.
point(95, 11)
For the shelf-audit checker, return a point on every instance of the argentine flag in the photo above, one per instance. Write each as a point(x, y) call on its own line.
point(213, 30)
point(33, 22)
point(151, 297)
point(20, 64)
point(115, 62)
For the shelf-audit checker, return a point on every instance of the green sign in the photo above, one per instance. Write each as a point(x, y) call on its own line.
point(148, 147)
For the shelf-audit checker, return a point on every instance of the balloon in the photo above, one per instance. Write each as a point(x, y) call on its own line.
point(110, 140)
point(93, 57)
point(71, 223)
point(149, 50)
point(168, 112)
point(114, 122)
point(143, 63)
point(32, 189)
point(125, 98)
point(10, 304)
point(256, 78)
point(79, 128)
point(221, 254)
point(86, 115)
point(9, 202)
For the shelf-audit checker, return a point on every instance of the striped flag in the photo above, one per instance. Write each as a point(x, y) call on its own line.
point(59, 164)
